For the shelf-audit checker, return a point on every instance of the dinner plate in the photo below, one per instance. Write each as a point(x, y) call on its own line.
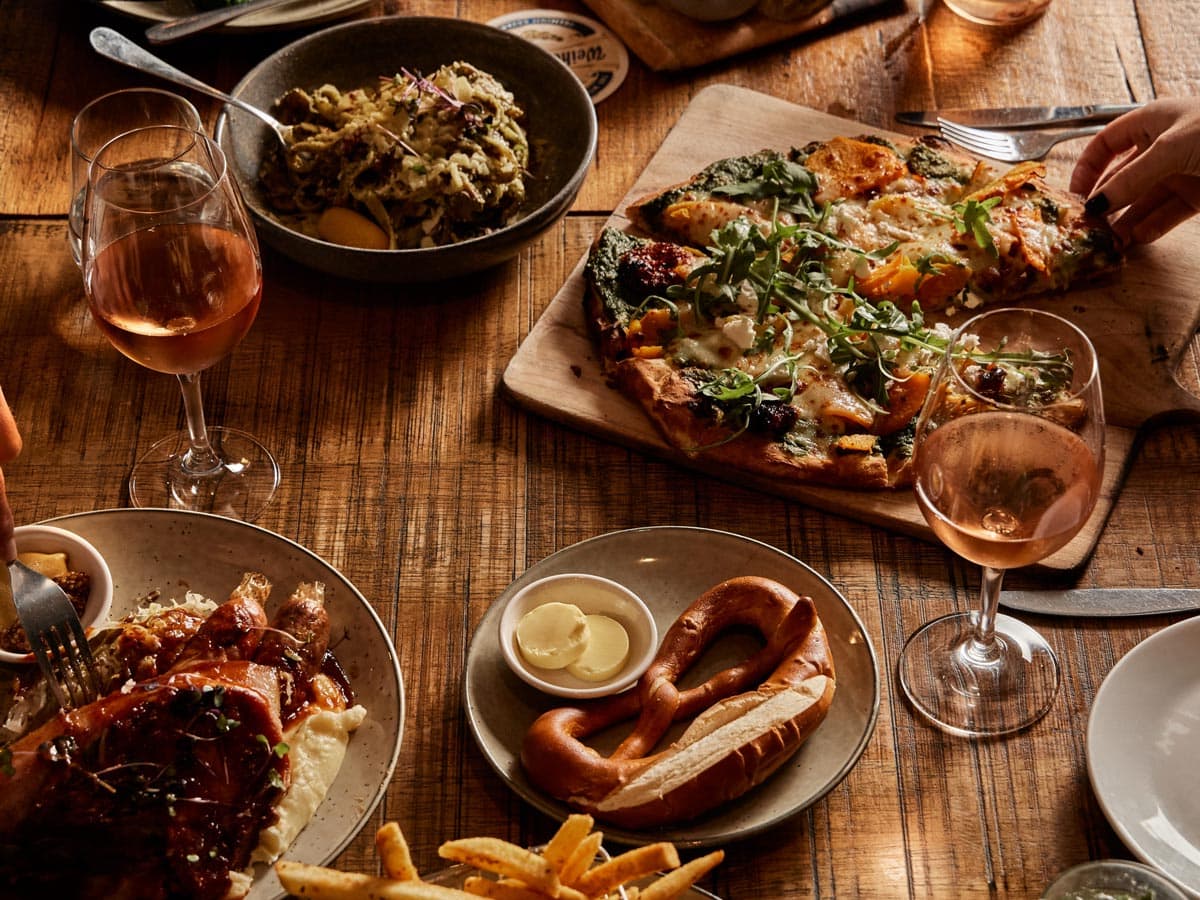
point(669, 567)
point(174, 551)
point(290, 15)
point(1143, 741)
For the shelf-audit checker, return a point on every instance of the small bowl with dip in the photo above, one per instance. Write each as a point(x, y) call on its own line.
point(1112, 879)
point(55, 552)
point(577, 635)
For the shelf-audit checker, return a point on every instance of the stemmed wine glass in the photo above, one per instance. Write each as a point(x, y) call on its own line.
point(173, 278)
point(1009, 456)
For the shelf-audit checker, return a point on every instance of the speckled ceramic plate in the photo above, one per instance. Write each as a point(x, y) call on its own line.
point(173, 552)
point(1143, 741)
point(669, 567)
point(290, 15)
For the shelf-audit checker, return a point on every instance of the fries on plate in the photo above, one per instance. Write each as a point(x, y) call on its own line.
point(566, 869)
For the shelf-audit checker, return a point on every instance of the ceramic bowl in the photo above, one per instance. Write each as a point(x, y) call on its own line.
point(81, 557)
point(593, 595)
point(560, 122)
point(1112, 878)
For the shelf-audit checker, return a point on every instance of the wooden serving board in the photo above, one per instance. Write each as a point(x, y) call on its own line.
point(1140, 323)
point(666, 40)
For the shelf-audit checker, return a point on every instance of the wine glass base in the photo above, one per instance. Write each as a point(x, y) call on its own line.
point(240, 488)
point(974, 691)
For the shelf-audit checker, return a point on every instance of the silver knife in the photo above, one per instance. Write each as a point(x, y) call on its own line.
point(165, 32)
point(838, 9)
point(1017, 116)
point(1103, 601)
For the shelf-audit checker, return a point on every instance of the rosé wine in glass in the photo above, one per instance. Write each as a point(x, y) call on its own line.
point(1008, 464)
point(174, 281)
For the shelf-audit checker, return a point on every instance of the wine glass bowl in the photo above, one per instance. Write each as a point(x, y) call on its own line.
point(1008, 464)
point(174, 281)
point(105, 118)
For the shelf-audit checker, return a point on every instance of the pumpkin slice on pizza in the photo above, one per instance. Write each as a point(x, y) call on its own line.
point(769, 312)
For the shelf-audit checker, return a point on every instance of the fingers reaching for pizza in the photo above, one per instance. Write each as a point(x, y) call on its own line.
point(1144, 167)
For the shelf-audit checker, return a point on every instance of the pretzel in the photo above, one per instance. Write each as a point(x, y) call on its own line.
point(748, 719)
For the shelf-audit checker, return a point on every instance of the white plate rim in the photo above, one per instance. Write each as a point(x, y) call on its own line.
point(709, 830)
point(266, 20)
point(1141, 664)
point(266, 885)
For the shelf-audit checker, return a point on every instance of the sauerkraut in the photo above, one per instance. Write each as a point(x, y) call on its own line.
point(432, 160)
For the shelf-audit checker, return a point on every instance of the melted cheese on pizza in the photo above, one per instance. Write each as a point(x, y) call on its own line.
point(791, 324)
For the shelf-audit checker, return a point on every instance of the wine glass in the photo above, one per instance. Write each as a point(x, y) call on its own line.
point(173, 278)
point(1008, 462)
point(102, 120)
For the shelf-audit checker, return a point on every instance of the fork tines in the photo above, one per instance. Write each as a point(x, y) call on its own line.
point(979, 137)
point(63, 651)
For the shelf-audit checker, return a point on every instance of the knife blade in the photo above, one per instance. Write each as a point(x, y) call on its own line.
point(166, 32)
point(1017, 116)
point(1100, 602)
point(835, 11)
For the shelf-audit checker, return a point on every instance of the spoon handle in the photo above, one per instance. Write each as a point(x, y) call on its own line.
point(166, 32)
point(118, 48)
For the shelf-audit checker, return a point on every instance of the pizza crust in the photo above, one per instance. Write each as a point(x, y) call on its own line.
point(670, 401)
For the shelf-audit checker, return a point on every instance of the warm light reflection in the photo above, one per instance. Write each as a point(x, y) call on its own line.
point(885, 866)
point(1161, 828)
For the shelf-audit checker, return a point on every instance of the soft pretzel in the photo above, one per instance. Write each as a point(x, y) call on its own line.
point(748, 719)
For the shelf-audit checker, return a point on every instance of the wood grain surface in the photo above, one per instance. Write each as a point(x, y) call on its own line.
point(405, 466)
point(665, 39)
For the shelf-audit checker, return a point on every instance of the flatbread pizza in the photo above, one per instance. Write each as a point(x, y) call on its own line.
point(770, 312)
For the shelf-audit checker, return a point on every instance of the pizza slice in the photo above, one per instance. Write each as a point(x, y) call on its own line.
point(772, 395)
point(771, 314)
point(949, 223)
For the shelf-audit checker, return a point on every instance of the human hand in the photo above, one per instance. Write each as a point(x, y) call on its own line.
point(1145, 166)
point(10, 446)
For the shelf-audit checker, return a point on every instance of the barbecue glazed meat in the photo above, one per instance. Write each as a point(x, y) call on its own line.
point(161, 788)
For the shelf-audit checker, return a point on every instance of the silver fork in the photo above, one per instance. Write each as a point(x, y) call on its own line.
point(55, 636)
point(1009, 146)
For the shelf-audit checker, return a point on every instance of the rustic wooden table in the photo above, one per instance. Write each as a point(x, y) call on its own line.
point(406, 468)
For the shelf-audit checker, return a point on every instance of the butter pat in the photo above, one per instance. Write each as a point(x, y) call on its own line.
point(553, 635)
point(52, 565)
point(607, 648)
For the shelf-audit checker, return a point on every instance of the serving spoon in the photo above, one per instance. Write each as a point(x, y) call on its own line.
point(119, 48)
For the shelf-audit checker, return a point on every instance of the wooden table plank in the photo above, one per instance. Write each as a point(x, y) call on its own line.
point(406, 468)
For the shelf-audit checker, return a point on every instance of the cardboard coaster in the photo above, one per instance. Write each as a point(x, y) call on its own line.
point(598, 59)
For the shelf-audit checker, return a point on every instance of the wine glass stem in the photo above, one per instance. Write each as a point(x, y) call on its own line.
point(982, 647)
point(200, 458)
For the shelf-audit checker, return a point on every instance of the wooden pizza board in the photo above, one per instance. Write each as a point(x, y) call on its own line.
point(1140, 322)
point(666, 40)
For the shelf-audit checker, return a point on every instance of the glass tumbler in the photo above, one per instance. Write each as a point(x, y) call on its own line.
point(998, 12)
point(105, 118)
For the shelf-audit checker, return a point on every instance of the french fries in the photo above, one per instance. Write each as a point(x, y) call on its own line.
point(565, 870)
point(503, 858)
point(393, 853)
point(320, 883)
